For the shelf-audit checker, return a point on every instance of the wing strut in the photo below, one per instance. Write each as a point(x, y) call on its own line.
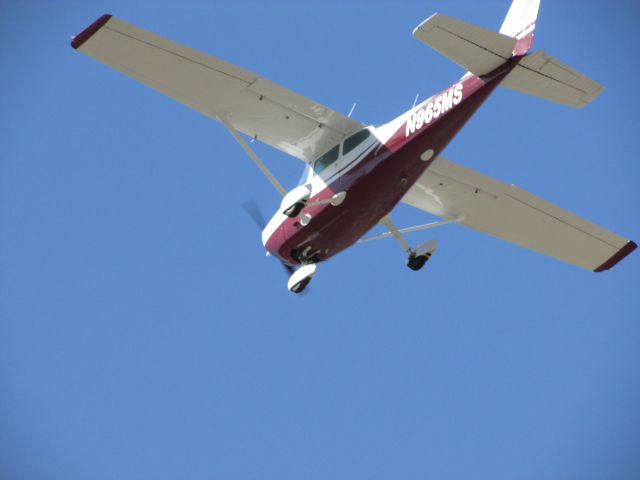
point(274, 181)
point(393, 232)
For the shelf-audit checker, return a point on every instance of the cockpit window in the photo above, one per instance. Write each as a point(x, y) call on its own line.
point(327, 159)
point(354, 140)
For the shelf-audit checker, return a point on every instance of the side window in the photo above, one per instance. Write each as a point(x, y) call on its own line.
point(354, 140)
point(327, 159)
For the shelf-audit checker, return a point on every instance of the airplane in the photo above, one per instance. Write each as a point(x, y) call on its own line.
point(355, 174)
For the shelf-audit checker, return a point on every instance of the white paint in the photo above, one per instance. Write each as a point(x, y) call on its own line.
point(521, 15)
point(338, 198)
point(299, 194)
point(425, 248)
point(433, 109)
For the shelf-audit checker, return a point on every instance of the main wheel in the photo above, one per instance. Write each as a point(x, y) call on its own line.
point(416, 262)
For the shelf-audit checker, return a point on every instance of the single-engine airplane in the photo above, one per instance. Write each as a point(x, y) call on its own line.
point(356, 174)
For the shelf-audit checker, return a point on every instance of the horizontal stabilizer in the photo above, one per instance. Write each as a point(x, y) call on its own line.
point(474, 48)
point(505, 211)
point(543, 76)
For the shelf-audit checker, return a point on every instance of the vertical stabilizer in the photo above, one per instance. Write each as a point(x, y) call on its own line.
point(520, 24)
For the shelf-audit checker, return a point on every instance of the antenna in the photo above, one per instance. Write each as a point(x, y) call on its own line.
point(415, 100)
point(352, 109)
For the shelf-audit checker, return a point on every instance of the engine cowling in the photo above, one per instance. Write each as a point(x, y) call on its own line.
point(294, 201)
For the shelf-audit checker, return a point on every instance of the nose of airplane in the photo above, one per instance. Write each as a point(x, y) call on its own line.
point(272, 234)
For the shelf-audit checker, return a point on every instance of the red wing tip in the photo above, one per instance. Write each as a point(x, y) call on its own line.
point(87, 33)
point(629, 247)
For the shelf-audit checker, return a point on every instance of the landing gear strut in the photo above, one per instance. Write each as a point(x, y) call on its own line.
point(418, 256)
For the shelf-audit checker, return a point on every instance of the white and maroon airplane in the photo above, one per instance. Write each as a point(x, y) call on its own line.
point(356, 174)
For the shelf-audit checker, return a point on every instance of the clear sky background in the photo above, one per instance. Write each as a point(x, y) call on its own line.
point(144, 334)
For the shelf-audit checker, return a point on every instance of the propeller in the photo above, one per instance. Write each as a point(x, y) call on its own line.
point(252, 209)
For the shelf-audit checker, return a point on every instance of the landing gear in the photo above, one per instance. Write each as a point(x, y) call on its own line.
point(418, 256)
point(301, 278)
point(415, 262)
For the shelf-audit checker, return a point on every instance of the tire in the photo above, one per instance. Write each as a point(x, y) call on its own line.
point(301, 285)
point(415, 263)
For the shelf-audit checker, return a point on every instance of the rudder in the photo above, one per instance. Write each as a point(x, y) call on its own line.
point(520, 24)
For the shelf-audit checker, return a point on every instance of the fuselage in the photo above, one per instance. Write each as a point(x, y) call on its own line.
point(375, 168)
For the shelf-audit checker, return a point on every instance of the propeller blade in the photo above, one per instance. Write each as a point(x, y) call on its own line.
point(288, 268)
point(252, 209)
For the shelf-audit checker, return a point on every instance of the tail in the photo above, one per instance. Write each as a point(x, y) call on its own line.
point(520, 24)
point(482, 51)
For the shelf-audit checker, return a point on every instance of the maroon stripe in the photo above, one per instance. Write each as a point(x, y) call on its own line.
point(83, 36)
point(623, 252)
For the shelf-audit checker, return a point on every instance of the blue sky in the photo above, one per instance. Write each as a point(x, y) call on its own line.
point(144, 334)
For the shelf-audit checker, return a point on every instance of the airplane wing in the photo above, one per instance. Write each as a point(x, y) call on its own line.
point(505, 211)
point(251, 104)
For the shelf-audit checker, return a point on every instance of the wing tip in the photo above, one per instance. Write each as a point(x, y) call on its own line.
point(629, 247)
point(87, 33)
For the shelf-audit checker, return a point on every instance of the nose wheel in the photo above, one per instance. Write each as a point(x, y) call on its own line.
point(300, 286)
point(301, 278)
